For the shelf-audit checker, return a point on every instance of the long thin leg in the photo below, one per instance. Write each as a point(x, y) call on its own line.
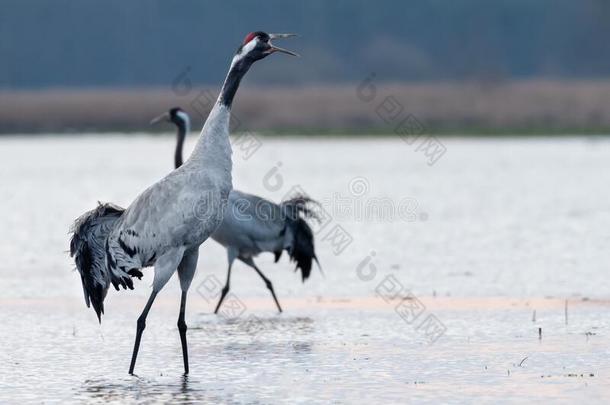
point(268, 283)
point(164, 268)
point(186, 272)
point(225, 289)
point(140, 329)
point(182, 330)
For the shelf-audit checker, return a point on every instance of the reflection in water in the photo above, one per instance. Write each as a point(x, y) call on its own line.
point(243, 342)
point(254, 327)
point(350, 356)
point(472, 247)
point(138, 388)
point(259, 337)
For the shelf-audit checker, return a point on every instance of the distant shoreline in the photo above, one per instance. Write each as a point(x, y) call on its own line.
point(489, 108)
point(359, 133)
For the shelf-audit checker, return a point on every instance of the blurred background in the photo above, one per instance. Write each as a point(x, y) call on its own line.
point(467, 67)
point(422, 158)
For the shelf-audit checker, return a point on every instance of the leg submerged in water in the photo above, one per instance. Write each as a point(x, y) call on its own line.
point(186, 272)
point(140, 328)
point(164, 268)
point(182, 330)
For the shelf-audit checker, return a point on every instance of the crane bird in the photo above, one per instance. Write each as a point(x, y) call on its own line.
point(252, 225)
point(165, 225)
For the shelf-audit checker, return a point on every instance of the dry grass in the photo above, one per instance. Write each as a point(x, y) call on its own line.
point(546, 105)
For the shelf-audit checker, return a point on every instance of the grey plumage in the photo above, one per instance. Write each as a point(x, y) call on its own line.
point(252, 225)
point(88, 248)
point(165, 225)
point(111, 245)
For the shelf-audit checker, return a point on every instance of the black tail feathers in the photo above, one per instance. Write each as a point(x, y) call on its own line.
point(302, 249)
point(87, 247)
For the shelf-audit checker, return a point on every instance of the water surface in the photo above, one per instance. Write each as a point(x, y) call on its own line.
point(499, 229)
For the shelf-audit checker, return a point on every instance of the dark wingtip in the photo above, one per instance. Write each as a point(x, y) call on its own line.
point(304, 277)
point(319, 266)
point(304, 264)
point(302, 251)
point(277, 254)
point(98, 306)
point(88, 233)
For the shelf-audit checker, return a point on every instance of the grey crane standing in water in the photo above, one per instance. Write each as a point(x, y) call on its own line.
point(166, 224)
point(252, 225)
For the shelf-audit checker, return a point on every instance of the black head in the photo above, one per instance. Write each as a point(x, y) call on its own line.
point(257, 45)
point(178, 116)
point(175, 115)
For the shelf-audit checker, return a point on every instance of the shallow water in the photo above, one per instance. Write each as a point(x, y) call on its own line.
point(495, 230)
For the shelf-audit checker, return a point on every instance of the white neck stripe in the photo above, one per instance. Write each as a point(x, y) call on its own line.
point(187, 121)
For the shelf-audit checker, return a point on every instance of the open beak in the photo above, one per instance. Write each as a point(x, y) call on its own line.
point(162, 117)
point(277, 48)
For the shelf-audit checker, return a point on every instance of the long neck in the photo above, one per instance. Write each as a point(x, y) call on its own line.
point(213, 148)
point(181, 134)
point(239, 67)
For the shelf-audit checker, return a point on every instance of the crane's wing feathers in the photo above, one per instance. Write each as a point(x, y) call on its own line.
point(254, 220)
point(164, 216)
point(87, 246)
point(253, 225)
point(266, 216)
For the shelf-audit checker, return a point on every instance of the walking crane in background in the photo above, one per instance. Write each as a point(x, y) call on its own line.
point(252, 225)
point(166, 224)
